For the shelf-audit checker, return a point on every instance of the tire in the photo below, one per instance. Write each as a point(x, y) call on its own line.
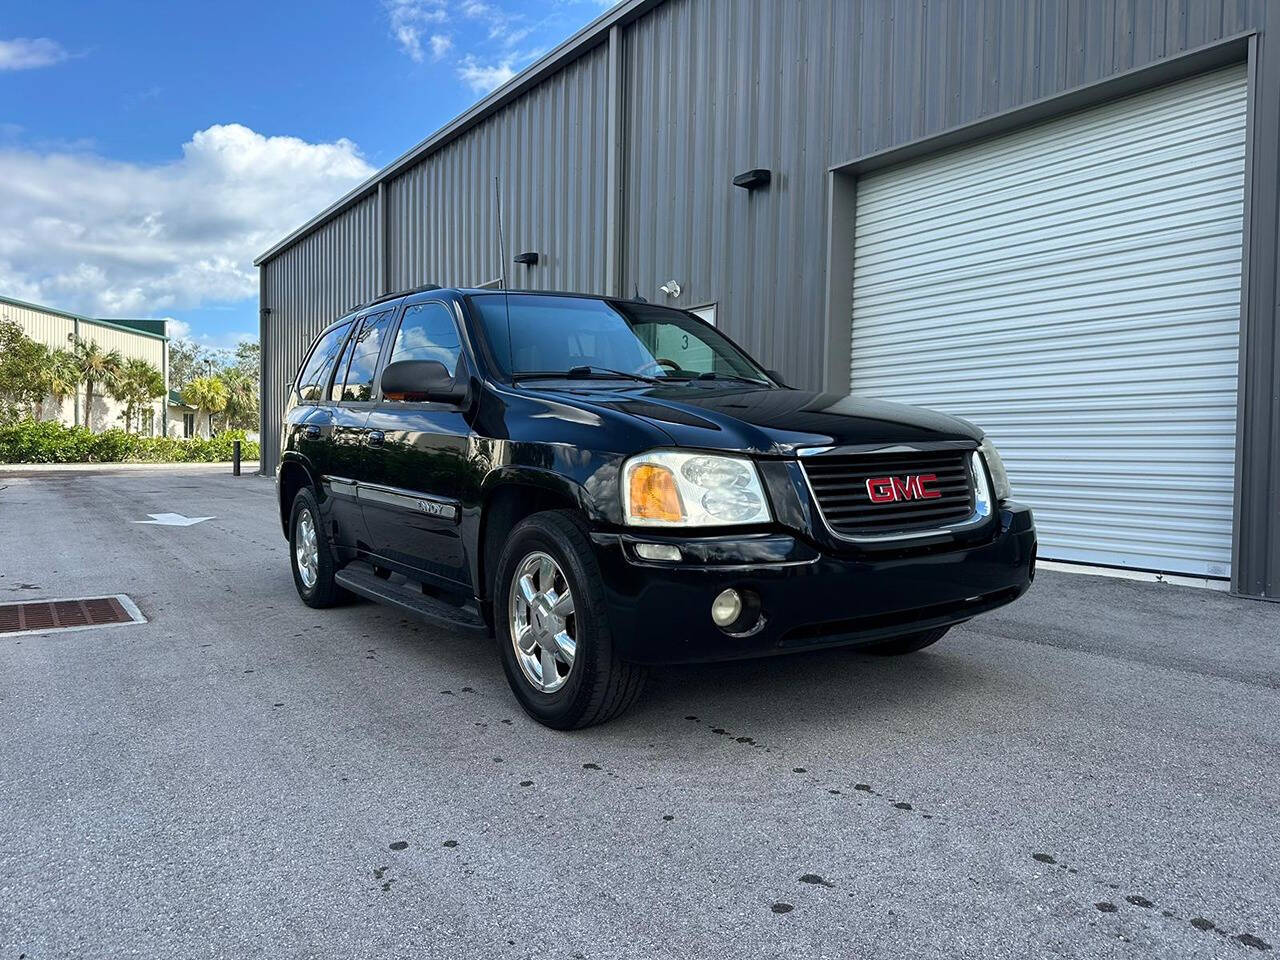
point(912, 642)
point(322, 591)
point(594, 685)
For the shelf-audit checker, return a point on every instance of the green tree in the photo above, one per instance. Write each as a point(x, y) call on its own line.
point(248, 357)
point(208, 395)
point(187, 360)
point(98, 368)
point(241, 411)
point(61, 375)
point(137, 384)
point(22, 361)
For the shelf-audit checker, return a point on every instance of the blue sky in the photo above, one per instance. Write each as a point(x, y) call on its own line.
point(148, 151)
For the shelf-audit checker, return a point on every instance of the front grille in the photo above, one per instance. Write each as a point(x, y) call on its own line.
point(840, 486)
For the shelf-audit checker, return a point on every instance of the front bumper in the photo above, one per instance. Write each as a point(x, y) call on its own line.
point(809, 598)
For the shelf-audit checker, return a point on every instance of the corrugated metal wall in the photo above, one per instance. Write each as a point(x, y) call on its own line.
point(547, 150)
point(308, 286)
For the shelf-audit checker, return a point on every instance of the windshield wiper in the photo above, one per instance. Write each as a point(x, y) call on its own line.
point(582, 373)
point(712, 375)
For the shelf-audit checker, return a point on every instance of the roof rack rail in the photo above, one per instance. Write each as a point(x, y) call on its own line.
point(398, 293)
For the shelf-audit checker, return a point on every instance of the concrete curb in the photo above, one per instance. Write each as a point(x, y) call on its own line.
point(246, 467)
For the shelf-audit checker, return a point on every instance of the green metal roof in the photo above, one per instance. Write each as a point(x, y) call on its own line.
point(147, 328)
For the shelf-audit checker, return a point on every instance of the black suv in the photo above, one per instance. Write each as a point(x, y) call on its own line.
point(604, 484)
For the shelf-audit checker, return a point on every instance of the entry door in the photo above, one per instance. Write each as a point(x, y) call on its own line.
point(1074, 289)
point(421, 472)
point(351, 400)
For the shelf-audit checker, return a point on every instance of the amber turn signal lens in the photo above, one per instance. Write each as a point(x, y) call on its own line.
point(654, 495)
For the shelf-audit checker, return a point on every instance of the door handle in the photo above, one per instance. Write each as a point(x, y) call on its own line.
point(311, 432)
point(375, 438)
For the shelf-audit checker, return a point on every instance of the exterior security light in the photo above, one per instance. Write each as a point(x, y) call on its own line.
point(671, 288)
point(529, 259)
point(753, 179)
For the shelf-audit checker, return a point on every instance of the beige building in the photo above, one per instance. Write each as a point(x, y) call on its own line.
point(144, 339)
point(184, 420)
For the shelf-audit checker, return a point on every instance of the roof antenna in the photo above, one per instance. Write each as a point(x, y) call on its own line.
point(502, 264)
point(637, 297)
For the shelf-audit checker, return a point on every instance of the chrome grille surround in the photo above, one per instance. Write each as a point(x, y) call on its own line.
point(836, 480)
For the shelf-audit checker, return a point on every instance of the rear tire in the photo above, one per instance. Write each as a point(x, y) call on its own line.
point(912, 642)
point(577, 680)
point(310, 556)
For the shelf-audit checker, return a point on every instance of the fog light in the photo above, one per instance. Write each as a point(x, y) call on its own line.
point(658, 551)
point(726, 607)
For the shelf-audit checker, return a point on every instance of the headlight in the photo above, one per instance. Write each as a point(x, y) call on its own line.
point(995, 467)
point(669, 489)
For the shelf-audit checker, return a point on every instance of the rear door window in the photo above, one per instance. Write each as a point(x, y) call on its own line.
point(360, 360)
point(313, 382)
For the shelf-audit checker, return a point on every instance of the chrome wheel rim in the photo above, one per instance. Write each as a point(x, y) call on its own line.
point(542, 624)
point(306, 553)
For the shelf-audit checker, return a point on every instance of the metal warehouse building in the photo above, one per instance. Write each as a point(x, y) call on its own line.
point(1057, 218)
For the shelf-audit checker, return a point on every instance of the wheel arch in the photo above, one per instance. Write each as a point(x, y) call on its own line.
point(508, 499)
point(294, 475)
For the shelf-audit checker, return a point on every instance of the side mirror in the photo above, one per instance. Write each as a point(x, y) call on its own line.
point(419, 380)
point(777, 378)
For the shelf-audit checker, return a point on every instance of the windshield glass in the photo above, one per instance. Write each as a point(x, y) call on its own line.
point(556, 335)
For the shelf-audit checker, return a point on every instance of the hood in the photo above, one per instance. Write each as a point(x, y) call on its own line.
point(769, 421)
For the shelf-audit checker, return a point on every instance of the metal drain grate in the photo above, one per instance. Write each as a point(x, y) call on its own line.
point(44, 616)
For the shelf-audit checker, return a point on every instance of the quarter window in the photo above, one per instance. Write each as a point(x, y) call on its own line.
point(313, 382)
point(428, 332)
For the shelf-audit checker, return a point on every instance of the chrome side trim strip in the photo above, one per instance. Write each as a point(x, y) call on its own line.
point(341, 486)
point(981, 511)
point(409, 500)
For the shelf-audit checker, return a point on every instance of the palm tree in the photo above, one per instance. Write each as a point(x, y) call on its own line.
point(60, 375)
point(207, 395)
point(136, 386)
point(97, 367)
point(242, 398)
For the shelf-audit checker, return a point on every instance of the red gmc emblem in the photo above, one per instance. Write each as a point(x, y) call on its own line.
point(893, 489)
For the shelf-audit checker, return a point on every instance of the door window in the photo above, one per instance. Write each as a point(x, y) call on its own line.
point(360, 360)
point(313, 382)
point(428, 332)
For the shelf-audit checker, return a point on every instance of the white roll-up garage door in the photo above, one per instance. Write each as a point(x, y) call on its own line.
point(1074, 289)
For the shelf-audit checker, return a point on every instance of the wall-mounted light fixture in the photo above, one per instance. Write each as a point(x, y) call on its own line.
point(753, 179)
point(529, 258)
point(671, 288)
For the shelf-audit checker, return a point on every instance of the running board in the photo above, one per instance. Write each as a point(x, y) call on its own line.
point(360, 579)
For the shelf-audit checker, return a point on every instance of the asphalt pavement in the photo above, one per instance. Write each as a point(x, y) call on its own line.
point(1091, 772)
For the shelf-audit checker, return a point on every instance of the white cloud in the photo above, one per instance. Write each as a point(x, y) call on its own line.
point(27, 53)
point(101, 237)
point(440, 45)
point(177, 328)
point(483, 77)
point(409, 17)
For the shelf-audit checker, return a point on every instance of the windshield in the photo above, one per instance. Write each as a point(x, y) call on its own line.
point(577, 336)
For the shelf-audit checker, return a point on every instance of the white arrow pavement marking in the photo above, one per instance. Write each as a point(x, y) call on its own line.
point(173, 519)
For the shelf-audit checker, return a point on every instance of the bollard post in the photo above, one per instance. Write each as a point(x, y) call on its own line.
point(235, 458)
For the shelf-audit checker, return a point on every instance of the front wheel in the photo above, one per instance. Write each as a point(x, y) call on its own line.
point(908, 644)
point(310, 556)
point(553, 631)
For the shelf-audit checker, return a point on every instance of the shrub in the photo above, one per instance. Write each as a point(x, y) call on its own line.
point(47, 441)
